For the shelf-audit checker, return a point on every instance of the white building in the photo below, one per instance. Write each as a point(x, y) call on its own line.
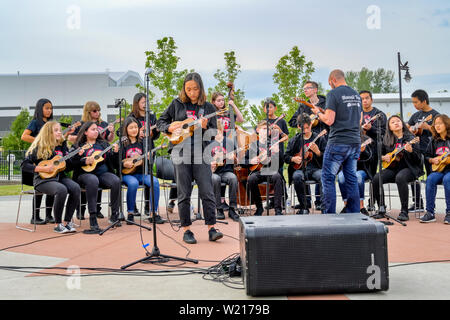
point(68, 92)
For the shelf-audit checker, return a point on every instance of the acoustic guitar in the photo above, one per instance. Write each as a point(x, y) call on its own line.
point(59, 162)
point(308, 104)
point(444, 160)
point(188, 126)
point(366, 143)
point(395, 155)
point(98, 157)
point(308, 154)
point(136, 161)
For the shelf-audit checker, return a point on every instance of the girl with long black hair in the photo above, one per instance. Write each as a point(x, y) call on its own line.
point(102, 176)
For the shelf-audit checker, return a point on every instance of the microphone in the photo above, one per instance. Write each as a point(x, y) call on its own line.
point(148, 71)
point(118, 102)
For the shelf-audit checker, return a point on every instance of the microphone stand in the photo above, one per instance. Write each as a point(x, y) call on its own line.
point(120, 177)
point(269, 156)
point(155, 256)
point(382, 207)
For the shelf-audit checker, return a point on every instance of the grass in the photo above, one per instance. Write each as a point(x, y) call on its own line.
point(12, 189)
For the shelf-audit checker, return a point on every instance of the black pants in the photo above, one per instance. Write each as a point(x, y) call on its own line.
point(415, 188)
point(278, 183)
point(185, 174)
point(49, 200)
point(401, 178)
point(84, 201)
point(230, 179)
point(91, 183)
point(60, 190)
point(298, 179)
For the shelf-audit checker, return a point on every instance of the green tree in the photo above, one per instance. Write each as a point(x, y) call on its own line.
point(13, 140)
point(292, 70)
point(232, 70)
point(378, 81)
point(165, 76)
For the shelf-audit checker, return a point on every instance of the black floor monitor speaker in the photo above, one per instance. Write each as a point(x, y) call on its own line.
point(319, 253)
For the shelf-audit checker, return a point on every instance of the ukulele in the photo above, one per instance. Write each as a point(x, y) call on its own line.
point(366, 143)
point(59, 162)
point(415, 128)
point(136, 161)
point(98, 157)
point(372, 119)
point(263, 156)
point(308, 154)
point(220, 158)
point(443, 162)
point(112, 123)
point(395, 154)
point(188, 126)
point(74, 126)
point(306, 103)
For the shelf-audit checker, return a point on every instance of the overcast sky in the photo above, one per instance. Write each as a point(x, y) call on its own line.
point(45, 37)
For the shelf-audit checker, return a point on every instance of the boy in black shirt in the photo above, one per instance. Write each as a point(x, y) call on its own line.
point(421, 102)
point(313, 170)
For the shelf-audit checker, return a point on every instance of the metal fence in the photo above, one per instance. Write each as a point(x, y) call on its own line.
point(10, 165)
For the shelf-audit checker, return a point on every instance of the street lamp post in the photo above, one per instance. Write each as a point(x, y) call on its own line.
point(401, 67)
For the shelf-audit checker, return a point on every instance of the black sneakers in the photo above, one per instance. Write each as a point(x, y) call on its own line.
point(403, 216)
point(188, 237)
point(278, 212)
point(114, 218)
point(447, 218)
point(214, 234)
point(158, 219)
point(259, 211)
point(303, 211)
point(220, 215)
point(49, 219)
point(428, 217)
point(171, 206)
point(130, 218)
point(38, 221)
point(100, 216)
point(232, 214)
point(94, 229)
point(364, 211)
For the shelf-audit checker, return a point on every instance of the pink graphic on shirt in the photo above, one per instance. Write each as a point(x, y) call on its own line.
point(442, 150)
point(218, 149)
point(191, 114)
point(132, 152)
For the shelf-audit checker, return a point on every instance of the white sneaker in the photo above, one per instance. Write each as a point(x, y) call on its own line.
point(61, 229)
point(71, 227)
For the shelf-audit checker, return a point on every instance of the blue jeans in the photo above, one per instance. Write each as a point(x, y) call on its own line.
point(433, 180)
point(133, 181)
point(362, 176)
point(335, 156)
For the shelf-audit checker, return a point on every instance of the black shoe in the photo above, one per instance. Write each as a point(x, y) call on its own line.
point(416, 208)
point(318, 206)
point(49, 219)
point(130, 217)
point(271, 205)
point(188, 237)
point(214, 234)
point(158, 219)
point(278, 212)
point(364, 211)
point(80, 216)
point(377, 216)
point(303, 211)
point(94, 229)
point(39, 221)
point(100, 216)
point(297, 206)
point(114, 218)
point(403, 216)
point(259, 211)
point(224, 206)
point(232, 214)
point(344, 210)
point(171, 206)
point(220, 215)
point(136, 212)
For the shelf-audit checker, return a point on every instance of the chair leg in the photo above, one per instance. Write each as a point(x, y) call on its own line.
point(34, 215)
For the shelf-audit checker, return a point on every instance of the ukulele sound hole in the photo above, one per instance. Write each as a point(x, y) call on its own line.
point(185, 126)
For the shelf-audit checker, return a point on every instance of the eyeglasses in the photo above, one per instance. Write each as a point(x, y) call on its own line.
point(95, 110)
point(307, 88)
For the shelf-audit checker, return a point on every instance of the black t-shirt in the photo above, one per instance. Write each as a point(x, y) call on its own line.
point(436, 148)
point(380, 121)
point(222, 147)
point(346, 103)
point(132, 150)
point(426, 136)
point(227, 121)
point(35, 126)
